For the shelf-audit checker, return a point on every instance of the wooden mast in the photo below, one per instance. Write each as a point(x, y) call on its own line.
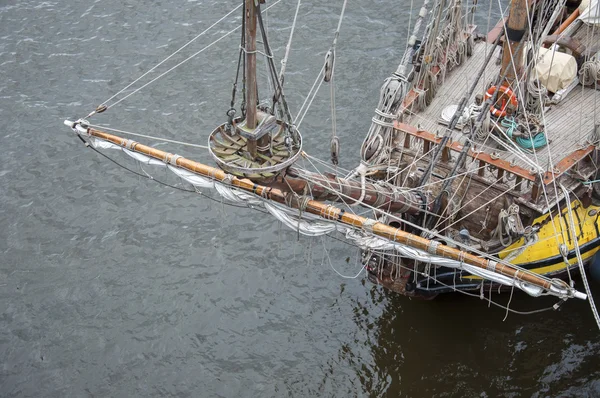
point(251, 87)
point(323, 210)
point(512, 50)
point(256, 141)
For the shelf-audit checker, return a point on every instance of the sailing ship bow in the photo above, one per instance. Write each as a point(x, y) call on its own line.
point(256, 154)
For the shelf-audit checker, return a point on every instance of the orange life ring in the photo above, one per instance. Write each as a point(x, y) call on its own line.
point(505, 92)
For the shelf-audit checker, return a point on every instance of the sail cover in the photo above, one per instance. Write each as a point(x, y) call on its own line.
point(591, 14)
point(555, 70)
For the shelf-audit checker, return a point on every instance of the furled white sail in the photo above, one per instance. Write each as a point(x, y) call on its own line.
point(555, 70)
point(591, 14)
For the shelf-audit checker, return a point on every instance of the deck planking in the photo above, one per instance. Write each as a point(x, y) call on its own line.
point(568, 125)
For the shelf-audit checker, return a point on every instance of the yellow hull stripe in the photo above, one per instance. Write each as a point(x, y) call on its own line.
point(553, 232)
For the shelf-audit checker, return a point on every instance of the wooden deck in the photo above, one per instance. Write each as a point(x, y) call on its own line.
point(568, 125)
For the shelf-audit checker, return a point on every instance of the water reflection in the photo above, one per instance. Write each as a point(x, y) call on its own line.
point(457, 346)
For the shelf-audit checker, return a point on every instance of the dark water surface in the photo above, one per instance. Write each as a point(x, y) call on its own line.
point(111, 285)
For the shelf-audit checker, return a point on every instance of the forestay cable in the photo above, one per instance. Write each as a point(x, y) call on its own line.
point(149, 137)
point(176, 52)
point(185, 60)
point(289, 45)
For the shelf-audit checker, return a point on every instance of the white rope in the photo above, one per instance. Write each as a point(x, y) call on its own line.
point(327, 165)
point(149, 136)
point(184, 61)
point(337, 32)
point(579, 259)
point(178, 50)
point(289, 44)
point(335, 270)
point(311, 95)
point(300, 118)
point(175, 67)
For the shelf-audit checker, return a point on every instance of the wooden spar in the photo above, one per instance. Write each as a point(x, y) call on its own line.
point(251, 81)
point(332, 188)
point(512, 51)
point(323, 210)
point(567, 22)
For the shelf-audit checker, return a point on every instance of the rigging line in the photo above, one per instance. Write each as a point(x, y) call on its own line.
point(477, 209)
point(456, 116)
point(333, 190)
point(309, 104)
point(184, 61)
point(336, 271)
point(289, 44)
point(408, 32)
point(491, 301)
point(381, 252)
point(512, 290)
point(150, 177)
point(319, 77)
point(450, 16)
point(332, 87)
point(580, 260)
point(551, 163)
point(273, 69)
point(339, 27)
point(518, 86)
point(327, 165)
point(178, 50)
point(332, 101)
point(534, 62)
point(173, 68)
point(487, 29)
point(149, 136)
point(267, 55)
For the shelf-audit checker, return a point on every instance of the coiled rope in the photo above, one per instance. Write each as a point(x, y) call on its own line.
point(590, 72)
point(535, 142)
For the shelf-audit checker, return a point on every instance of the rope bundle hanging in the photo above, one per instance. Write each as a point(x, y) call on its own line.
point(536, 97)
